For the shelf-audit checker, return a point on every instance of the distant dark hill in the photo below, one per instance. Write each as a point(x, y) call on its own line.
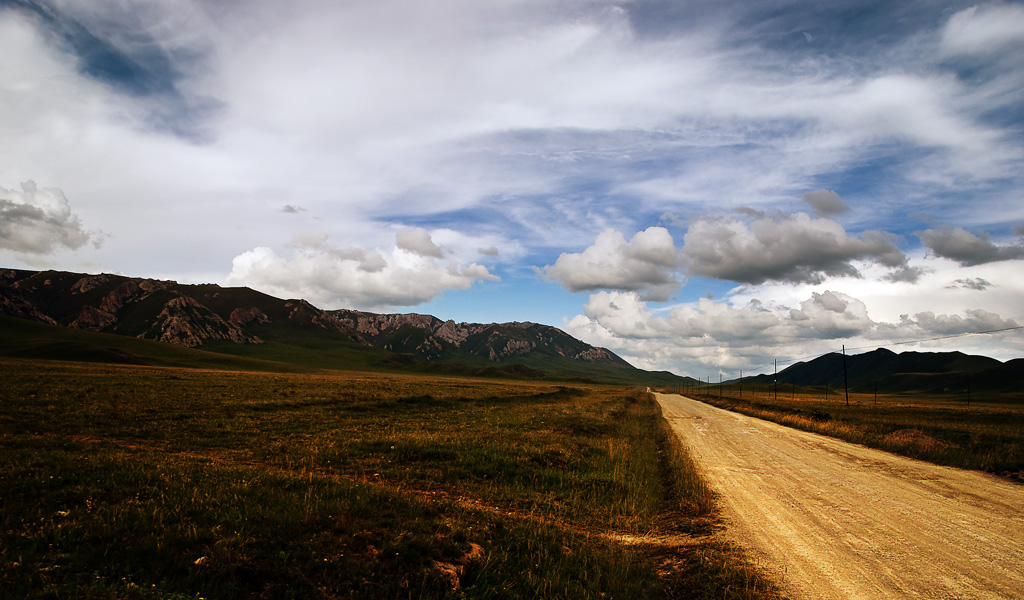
point(247, 323)
point(892, 372)
point(1007, 377)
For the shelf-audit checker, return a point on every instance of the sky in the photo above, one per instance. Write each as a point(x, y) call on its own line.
point(702, 187)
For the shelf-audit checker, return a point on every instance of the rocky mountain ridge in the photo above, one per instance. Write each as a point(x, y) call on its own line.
point(429, 336)
point(198, 315)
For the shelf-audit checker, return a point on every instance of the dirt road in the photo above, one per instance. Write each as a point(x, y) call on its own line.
point(836, 520)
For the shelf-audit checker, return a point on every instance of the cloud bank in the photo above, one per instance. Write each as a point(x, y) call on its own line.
point(713, 336)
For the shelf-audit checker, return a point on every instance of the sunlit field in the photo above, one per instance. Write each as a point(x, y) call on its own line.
point(145, 482)
point(984, 434)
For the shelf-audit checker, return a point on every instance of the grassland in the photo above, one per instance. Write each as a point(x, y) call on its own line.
point(156, 482)
point(985, 435)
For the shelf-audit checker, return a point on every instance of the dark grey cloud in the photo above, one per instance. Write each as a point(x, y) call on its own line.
point(418, 241)
point(967, 248)
point(971, 283)
point(39, 221)
point(825, 203)
point(794, 249)
point(973, 321)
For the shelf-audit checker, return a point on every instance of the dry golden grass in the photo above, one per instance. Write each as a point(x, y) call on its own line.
point(985, 435)
point(131, 482)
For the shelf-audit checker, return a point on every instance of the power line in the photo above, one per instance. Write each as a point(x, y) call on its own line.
point(943, 337)
point(877, 346)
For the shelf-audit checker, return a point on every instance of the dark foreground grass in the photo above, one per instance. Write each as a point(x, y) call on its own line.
point(141, 482)
point(985, 436)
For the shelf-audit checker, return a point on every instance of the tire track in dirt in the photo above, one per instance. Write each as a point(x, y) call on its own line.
point(830, 519)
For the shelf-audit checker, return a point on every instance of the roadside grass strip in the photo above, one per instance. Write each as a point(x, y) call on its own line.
point(983, 436)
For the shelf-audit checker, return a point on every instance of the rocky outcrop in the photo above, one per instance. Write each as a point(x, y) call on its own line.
point(301, 312)
point(247, 316)
point(509, 349)
point(14, 304)
point(129, 292)
point(186, 322)
point(452, 333)
point(93, 319)
point(369, 326)
point(89, 283)
point(491, 341)
point(595, 355)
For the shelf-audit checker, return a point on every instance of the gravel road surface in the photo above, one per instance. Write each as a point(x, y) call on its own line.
point(836, 520)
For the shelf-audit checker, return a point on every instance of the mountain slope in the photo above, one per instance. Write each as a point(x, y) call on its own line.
point(244, 322)
point(33, 339)
point(901, 372)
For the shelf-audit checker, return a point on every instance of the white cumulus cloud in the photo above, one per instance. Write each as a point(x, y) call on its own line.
point(646, 264)
point(39, 221)
point(334, 277)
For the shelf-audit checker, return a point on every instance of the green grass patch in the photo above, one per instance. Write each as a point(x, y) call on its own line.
point(25, 339)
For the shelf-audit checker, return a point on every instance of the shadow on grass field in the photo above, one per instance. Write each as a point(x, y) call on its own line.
point(984, 435)
point(147, 482)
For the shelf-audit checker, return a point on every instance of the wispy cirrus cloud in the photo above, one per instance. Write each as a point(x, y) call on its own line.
point(984, 30)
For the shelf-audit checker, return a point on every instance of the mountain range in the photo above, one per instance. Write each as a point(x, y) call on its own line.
point(243, 322)
point(224, 322)
point(904, 372)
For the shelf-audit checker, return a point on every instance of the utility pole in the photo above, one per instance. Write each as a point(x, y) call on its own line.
point(846, 382)
point(719, 383)
point(741, 384)
point(776, 382)
point(968, 390)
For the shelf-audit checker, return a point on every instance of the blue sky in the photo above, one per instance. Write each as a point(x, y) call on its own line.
point(701, 187)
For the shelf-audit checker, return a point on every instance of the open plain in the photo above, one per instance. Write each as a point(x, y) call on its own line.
point(136, 482)
point(838, 520)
